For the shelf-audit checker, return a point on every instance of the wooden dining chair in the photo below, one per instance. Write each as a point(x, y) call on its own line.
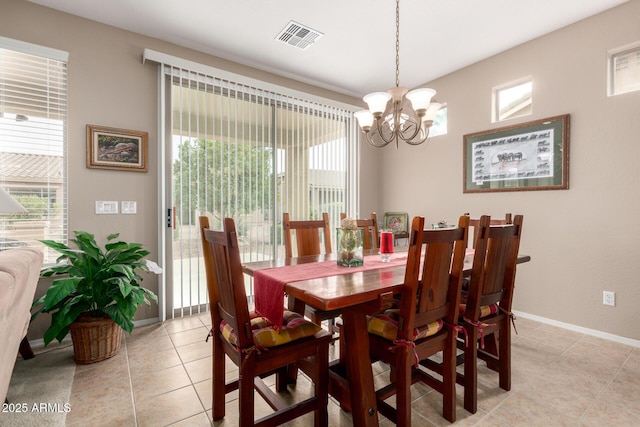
point(475, 222)
point(486, 307)
point(309, 236)
point(426, 321)
point(252, 345)
point(370, 226)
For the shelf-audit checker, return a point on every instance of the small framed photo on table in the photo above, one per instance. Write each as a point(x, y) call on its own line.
point(118, 149)
point(396, 222)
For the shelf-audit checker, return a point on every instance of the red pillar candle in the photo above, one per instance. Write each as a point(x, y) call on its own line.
point(386, 242)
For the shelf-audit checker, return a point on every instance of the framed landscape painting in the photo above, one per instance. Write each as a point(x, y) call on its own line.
point(119, 149)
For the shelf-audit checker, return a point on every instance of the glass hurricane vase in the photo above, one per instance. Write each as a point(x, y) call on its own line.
point(350, 247)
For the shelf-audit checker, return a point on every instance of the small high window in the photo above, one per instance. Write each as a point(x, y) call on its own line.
point(439, 126)
point(512, 100)
point(624, 69)
point(33, 143)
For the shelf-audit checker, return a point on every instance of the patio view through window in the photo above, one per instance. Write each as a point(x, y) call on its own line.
point(33, 119)
point(512, 100)
point(250, 154)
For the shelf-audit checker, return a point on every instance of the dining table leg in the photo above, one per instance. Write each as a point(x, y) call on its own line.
point(358, 365)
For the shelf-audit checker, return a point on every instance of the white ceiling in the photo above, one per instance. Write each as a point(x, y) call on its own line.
point(356, 54)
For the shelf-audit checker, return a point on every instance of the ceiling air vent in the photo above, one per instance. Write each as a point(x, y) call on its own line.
point(297, 35)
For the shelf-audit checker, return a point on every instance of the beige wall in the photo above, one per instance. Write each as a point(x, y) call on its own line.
point(583, 240)
point(109, 86)
point(576, 238)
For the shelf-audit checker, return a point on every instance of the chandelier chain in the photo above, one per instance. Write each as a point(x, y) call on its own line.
point(397, 43)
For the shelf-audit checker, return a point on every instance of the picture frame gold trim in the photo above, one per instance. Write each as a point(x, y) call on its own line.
point(116, 149)
point(522, 157)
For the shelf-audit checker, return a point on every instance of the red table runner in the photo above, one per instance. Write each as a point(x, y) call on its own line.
point(269, 283)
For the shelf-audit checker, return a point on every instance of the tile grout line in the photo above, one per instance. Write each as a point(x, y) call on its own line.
point(191, 379)
point(182, 363)
point(133, 399)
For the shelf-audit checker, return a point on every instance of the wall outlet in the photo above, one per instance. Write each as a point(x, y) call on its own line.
point(609, 298)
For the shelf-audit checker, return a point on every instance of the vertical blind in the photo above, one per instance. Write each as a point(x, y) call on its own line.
point(251, 153)
point(33, 122)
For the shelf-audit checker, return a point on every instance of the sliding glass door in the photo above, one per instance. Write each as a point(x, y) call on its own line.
point(251, 154)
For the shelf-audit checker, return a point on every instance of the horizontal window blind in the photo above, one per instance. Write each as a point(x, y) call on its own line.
point(33, 120)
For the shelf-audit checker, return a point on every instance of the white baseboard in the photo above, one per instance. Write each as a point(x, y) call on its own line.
point(146, 322)
point(67, 340)
point(604, 335)
point(39, 344)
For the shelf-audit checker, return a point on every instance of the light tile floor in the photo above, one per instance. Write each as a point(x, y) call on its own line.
point(162, 376)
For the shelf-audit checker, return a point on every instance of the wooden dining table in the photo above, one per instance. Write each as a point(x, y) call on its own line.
point(356, 294)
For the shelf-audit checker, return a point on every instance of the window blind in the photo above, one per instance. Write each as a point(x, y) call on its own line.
point(33, 120)
point(251, 151)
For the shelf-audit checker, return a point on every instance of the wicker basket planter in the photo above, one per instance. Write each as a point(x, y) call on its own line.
point(95, 339)
point(99, 281)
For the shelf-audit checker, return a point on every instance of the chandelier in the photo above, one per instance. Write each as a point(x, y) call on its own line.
point(398, 114)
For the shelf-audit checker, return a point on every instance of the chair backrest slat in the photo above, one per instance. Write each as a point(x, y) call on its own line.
point(370, 226)
point(475, 222)
point(225, 279)
point(209, 269)
point(307, 235)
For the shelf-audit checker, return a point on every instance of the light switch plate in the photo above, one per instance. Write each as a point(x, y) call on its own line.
point(106, 208)
point(129, 207)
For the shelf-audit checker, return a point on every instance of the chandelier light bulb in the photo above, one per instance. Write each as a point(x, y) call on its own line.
point(377, 102)
point(365, 119)
point(420, 99)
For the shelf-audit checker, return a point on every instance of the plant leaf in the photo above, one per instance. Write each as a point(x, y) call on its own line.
point(39, 301)
point(59, 321)
point(150, 294)
point(126, 270)
point(59, 290)
point(63, 333)
point(56, 269)
point(127, 305)
point(36, 313)
point(124, 321)
point(125, 287)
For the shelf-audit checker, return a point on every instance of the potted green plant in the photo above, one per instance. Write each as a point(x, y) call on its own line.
point(97, 296)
